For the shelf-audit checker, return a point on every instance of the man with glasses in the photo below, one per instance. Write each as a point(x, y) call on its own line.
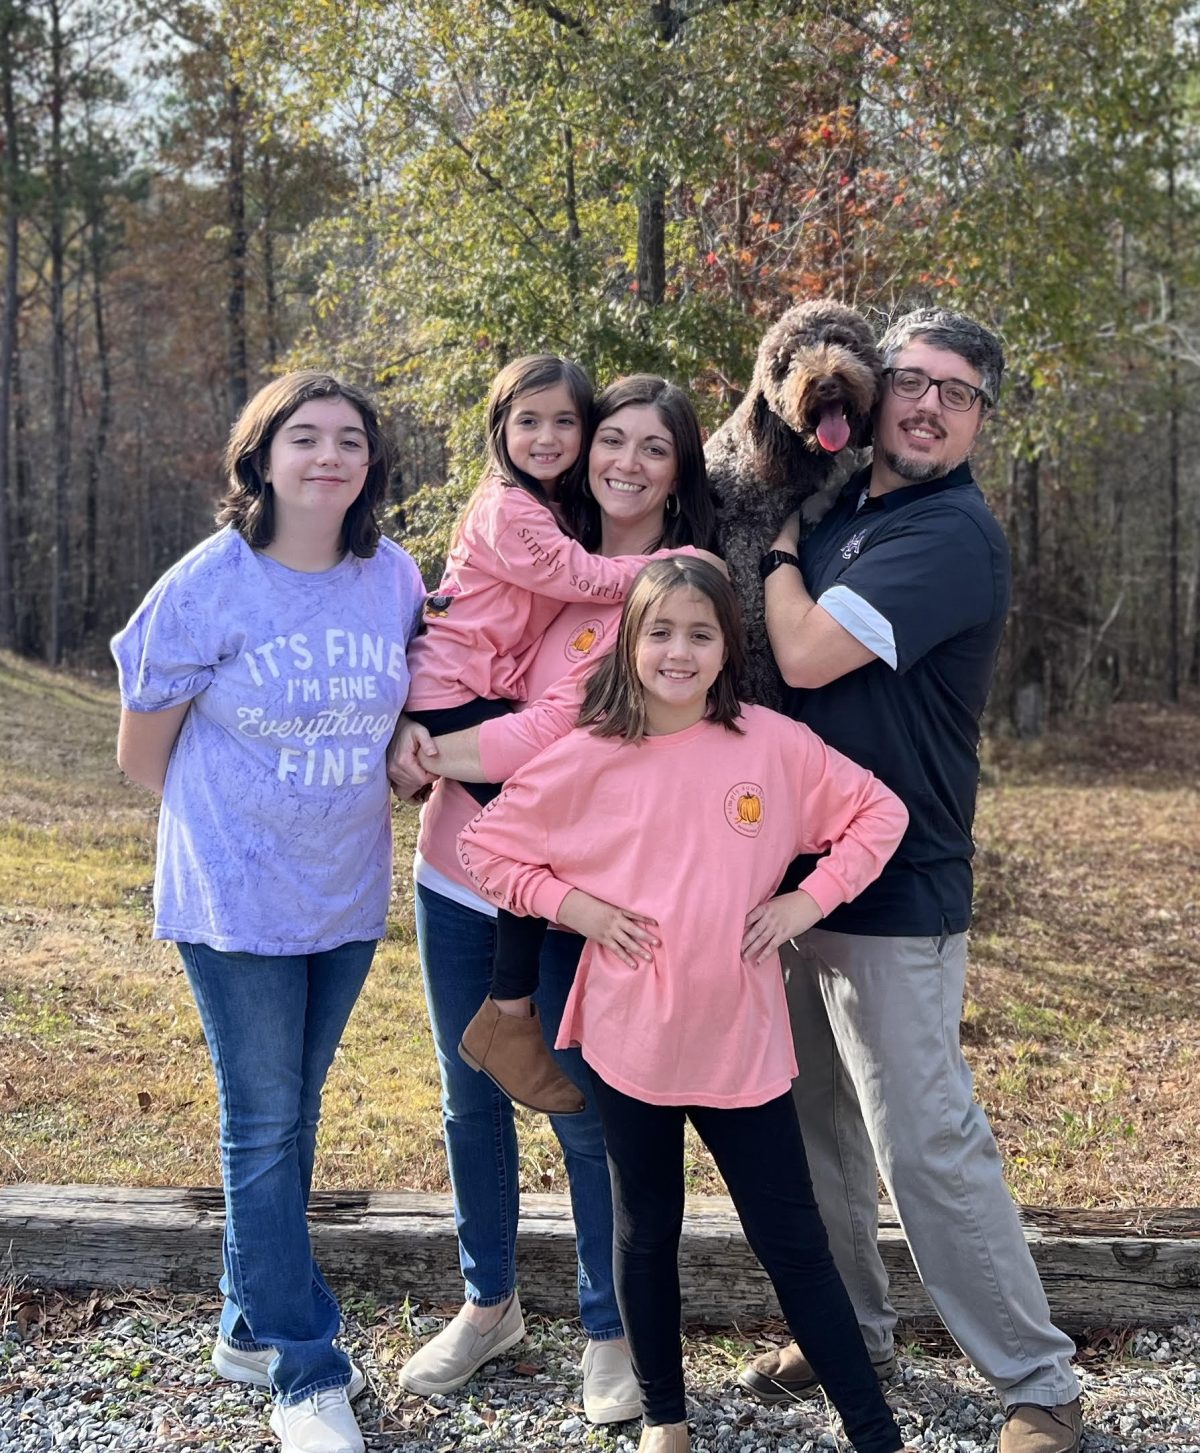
point(886, 621)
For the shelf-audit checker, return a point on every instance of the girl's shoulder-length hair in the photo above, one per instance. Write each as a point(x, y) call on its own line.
point(614, 702)
point(248, 503)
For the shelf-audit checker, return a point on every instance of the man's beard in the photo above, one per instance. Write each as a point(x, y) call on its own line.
point(915, 471)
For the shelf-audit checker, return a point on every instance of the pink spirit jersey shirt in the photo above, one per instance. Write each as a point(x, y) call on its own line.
point(509, 573)
point(693, 829)
point(506, 743)
point(575, 639)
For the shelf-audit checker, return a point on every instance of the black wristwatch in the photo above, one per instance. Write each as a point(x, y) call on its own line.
point(773, 559)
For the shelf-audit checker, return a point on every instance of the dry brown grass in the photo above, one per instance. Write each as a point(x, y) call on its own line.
point(1082, 1020)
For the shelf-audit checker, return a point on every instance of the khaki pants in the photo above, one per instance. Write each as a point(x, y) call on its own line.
point(883, 1083)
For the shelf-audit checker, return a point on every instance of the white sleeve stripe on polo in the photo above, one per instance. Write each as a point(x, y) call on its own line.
point(862, 620)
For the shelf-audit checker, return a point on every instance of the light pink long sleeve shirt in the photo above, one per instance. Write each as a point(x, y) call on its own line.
point(506, 743)
point(574, 639)
point(509, 573)
point(693, 829)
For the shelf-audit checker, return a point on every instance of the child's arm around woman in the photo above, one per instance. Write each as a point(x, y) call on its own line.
point(554, 827)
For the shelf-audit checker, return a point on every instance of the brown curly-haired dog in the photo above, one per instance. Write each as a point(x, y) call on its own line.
point(793, 436)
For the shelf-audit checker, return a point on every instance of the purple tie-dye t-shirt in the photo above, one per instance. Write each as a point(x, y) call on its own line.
point(275, 830)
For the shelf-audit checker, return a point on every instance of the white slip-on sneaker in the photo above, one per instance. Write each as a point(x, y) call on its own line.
point(237, 1364)
point(322, 1423)
point(610, 1390)
point(458, 1351)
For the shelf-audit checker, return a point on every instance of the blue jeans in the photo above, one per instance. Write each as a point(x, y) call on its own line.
point(273, 1025)
point(457, 945)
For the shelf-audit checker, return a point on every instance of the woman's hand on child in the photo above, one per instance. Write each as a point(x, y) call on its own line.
point(406, 774)
point(626, 934)
point(777, 920)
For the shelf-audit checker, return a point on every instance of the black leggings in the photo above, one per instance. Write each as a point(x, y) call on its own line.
point(760, 1153)
point(518, 939)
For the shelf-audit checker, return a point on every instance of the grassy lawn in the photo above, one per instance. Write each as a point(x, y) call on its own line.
point(1083, 1018)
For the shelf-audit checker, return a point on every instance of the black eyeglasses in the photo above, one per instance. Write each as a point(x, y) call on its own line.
point(913, 383)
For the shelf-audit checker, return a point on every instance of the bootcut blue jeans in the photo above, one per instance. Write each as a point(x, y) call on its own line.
point(457, 945)
point(272, 1026)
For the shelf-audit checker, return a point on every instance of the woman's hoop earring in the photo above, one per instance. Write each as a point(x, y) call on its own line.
point(671, 508)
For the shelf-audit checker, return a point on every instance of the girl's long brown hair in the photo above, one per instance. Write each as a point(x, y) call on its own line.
point(531, 375)
point(614, 703)
point(693, 520)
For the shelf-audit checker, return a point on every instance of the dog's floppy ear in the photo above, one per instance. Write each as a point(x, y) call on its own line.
point(778, 359)
point(777, 351)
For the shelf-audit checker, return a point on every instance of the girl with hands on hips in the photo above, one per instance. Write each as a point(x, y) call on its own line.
point(776, 921)
point(676, 801)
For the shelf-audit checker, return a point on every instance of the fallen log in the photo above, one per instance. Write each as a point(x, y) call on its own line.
point(1100, 1268)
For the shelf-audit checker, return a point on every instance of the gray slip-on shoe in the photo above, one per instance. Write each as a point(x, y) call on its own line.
point(459, 1350)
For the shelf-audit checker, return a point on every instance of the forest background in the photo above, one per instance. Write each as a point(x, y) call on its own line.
point(198, 195)
point(195, 196)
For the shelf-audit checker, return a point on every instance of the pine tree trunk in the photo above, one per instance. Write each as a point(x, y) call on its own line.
point(235, 193)
point(98, 444)
point(652, 247)
point(60, 537)
point(8, 337)
point(1029, 657)
point(270, 290)
point(665, 22)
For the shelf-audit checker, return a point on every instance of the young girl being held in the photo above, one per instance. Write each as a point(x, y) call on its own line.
point(661, 828)
point(511, 569)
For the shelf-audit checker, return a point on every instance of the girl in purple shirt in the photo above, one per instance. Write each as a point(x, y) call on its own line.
point(261, 681)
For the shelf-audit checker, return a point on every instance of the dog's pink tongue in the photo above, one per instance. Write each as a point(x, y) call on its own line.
point(833, 431)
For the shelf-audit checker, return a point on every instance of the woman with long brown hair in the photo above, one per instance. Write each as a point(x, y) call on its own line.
point(645, 489)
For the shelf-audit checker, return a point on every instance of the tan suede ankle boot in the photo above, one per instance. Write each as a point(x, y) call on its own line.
point(665, 1438)
point(513, 1054)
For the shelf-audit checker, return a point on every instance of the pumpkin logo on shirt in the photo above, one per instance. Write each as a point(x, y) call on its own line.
point(579, 647)
point(744, 808)
point(853, 545)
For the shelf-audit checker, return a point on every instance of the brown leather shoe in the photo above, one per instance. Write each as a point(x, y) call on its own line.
point(513, 1055)
point(784, 1374)
point(1029, 1428)
point(665, 1438)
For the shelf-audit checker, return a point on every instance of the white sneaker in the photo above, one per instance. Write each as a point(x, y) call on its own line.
point(238, 1364)
point(322, 1423)
point(610, 1390)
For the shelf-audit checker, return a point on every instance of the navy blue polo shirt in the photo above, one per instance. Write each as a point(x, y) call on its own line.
point(921, 576)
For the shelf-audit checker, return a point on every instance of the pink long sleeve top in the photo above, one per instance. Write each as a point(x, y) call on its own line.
point(510, 572)
point(574, 640)
point(506, 743)
point(693, 829)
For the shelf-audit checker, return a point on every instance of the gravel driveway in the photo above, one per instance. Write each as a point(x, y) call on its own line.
point(133, 1373)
